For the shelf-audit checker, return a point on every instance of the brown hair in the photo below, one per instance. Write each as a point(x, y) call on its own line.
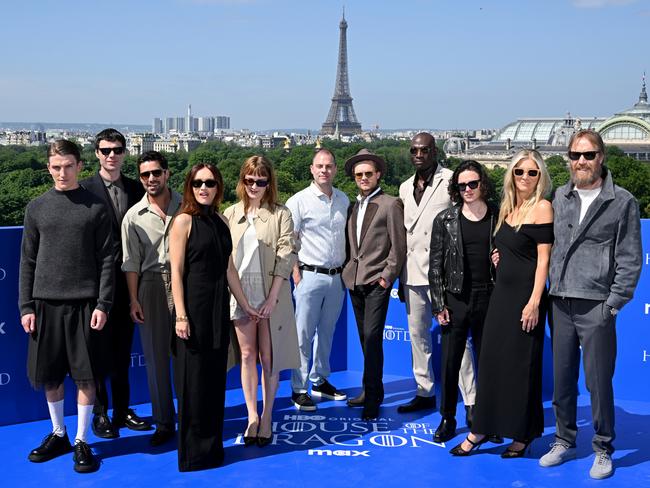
point(258, 166)
point(190, 205)
point(63, 147)
point(592, 135)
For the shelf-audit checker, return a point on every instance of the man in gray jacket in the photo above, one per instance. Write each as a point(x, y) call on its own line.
point(595, 265)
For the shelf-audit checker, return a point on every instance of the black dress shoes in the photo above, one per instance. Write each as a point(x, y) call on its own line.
point(469, 416)
point(357, 401)
point(51, 447)
point(130, 420)
point(446, 430)
point(84, 459)
point(370, 412)
point(161, 436)
point(418, 403)
point(102, 427)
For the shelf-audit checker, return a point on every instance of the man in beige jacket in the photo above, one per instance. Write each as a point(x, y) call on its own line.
point(424, 196)
point(376, 246)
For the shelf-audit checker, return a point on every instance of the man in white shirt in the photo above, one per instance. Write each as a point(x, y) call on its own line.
point(319, 213)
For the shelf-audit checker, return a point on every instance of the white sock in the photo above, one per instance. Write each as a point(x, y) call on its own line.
point(84, 413)
point(56, 415)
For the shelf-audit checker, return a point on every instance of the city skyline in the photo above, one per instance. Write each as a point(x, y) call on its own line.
point(272, 64)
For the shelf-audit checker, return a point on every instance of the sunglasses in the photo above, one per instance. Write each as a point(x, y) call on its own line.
point(588, 155)
point(207, 183)
point(260, 183)
point(423, 150)
point(156, 173)
point(107, 150)
point(531, 172)
point(473, 185)
point(367, 174)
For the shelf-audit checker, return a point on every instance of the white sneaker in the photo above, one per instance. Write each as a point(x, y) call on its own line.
point(602, 467)
point(559, 453)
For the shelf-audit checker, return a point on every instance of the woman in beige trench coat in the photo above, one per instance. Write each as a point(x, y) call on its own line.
point(264, 251)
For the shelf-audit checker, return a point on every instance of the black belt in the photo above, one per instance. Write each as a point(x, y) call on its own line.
point(317, 269)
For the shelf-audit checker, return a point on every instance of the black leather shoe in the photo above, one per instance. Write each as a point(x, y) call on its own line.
point(469, 416)
point(370, 412)
point(357, 401)
point(263, 441)
point(51, 447)
point(84, 459)
point(103, 428)
point(130, 420)
point(418, 403)
point(161, 436)
point(446, 430)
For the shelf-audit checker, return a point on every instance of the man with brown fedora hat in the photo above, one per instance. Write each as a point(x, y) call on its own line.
point(376, 249)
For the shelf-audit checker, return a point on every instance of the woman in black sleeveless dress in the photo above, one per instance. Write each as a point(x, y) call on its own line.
point(202, 270)
point(509, 392)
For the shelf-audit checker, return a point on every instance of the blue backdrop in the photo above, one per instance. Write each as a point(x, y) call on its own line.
point(20, 403)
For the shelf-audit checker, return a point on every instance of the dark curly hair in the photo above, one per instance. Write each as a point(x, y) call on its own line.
point(476, 167)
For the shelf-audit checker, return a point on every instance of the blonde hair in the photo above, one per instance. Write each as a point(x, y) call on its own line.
point(509, 194)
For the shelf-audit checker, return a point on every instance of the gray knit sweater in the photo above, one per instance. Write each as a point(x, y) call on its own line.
point(66, 251)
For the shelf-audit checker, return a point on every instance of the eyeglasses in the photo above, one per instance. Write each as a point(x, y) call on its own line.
point(366, 174)
point(260, 183)
point(107, 150)
point(423, 150)
point(156, 173)
point(207, 183)
point(531, 172)
point(473, 185)
point(588, 155)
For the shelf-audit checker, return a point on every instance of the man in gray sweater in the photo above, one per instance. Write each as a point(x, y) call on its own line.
point(595, 265)
point(65, 295)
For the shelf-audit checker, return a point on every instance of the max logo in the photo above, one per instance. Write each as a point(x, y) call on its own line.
point(2, 328)
point(3, 274)
point(647, 308)
point(338, 452)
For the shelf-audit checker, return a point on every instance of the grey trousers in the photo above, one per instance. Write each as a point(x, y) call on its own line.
point(419, 316)
point(154, 294)
point(588, 324)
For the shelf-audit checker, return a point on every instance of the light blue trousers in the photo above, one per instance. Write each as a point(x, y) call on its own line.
point(319, 299)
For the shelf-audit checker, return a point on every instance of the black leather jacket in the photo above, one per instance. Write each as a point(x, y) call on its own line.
point(446, 256)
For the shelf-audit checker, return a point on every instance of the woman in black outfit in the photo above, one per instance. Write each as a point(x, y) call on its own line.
point(509, 392)
point(461, 278)
point(202, 270)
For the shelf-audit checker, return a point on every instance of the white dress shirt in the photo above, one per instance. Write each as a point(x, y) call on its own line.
point(319, 223)
point(362, 211)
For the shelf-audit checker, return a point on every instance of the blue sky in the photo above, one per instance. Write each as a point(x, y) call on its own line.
point(272, 63)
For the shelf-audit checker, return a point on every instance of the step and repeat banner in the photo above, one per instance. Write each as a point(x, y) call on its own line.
point(20, 403)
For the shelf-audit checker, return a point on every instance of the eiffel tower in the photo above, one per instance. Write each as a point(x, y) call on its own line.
point(341, 117)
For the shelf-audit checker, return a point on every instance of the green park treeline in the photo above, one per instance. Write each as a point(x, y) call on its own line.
point(23, 171)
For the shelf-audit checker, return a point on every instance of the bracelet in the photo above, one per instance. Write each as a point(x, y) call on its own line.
point(181, 318)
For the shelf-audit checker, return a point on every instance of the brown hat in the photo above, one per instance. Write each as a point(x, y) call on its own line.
point(365, 155)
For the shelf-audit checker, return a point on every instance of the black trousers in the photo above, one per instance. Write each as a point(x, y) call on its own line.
point(370, 305)
point(119, 330)
point(200, 380)
point(467, 312)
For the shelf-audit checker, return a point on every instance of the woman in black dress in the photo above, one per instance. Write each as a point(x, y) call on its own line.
point(202, 270)
point(509, 392)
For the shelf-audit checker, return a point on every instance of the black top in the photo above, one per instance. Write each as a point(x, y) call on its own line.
point(207, 298)
point(476, 249)
point(427, 177)
point(67, 250)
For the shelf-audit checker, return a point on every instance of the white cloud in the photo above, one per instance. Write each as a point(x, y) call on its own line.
point(600, 3)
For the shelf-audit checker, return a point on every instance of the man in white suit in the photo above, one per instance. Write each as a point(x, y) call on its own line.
point(425, 195)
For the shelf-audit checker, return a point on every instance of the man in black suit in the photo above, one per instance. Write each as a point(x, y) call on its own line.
point(119, 192)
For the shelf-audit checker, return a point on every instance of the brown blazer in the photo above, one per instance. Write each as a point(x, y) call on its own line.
point(382, 250)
